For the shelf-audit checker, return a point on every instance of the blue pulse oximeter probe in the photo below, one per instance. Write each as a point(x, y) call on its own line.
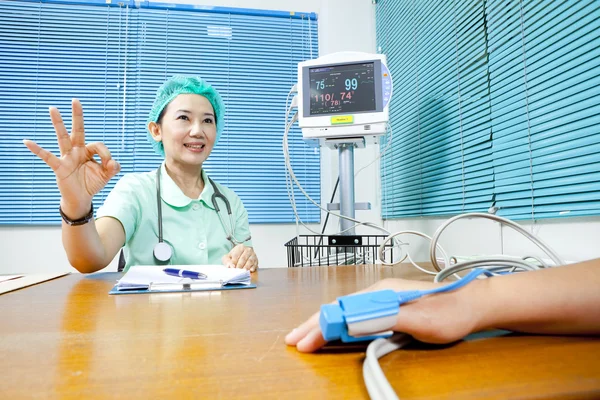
point(372, 315)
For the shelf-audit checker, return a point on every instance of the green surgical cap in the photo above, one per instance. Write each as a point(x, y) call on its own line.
point(184, 85)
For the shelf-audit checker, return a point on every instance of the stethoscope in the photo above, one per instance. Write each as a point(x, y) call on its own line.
point(163, 251)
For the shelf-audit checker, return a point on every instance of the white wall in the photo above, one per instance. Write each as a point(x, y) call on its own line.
point(343, 25)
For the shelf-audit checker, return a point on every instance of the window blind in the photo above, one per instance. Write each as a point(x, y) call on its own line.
point(544, 73)
point(441, 156)
point(514, 125)
point(114, 56)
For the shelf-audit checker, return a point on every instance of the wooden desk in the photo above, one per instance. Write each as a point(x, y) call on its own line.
point(69, 339)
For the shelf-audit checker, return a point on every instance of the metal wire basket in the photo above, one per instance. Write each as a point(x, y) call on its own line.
point(313, 250)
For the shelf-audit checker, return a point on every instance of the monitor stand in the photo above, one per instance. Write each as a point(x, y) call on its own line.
point(347, 206)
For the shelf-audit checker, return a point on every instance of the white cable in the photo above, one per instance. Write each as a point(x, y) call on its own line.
point(288, 186)
point(418, 267)
point(381, 154)
point(288, 181)
point(541, 262)
point(499, 264)
point(377, 385)
point(417, 233)
point(538, 242)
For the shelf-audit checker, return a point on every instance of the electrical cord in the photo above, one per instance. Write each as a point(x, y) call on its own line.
point(510, 263)
point(337, 182)
point(498, 266)
point(417, 233)
point(377, 385)
point(538, 242)
point(381, 154)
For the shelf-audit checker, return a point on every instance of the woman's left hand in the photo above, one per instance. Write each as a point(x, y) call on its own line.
point(241, 257)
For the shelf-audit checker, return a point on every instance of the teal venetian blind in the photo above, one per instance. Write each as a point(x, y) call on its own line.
point(114, 57)
point(544, 63)
point(495, 104)
point(46, 60)
point(441, 155)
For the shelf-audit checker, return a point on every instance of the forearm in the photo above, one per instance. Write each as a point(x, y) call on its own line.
point(562, 300)
point(83, 244)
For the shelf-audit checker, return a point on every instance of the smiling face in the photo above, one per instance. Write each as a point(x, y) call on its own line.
point(187, 129)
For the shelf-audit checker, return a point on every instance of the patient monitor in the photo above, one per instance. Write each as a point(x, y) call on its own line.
point(344, 95)
point(343, 103)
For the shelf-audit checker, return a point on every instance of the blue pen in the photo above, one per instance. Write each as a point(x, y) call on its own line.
point(184, 273)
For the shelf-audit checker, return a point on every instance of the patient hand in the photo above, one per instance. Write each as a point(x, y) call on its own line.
point(439, 318)
point(241, 257)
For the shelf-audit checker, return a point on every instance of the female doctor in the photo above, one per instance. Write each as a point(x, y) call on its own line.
point(174, 215)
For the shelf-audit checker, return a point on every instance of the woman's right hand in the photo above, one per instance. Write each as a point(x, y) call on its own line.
point(78, 176)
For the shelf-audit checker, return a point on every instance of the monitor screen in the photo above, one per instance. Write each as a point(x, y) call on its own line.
point(342, 89)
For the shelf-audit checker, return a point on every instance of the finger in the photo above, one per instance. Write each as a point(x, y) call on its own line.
point(100, 149)
point(254, 265)
point(241, 262)
point(296, 335)
point(77, 131)
point(235, 253)
point(50, 159)
point(62, 136)
point(312, 341)
point(112, 168)
point(252, 262)
point(300, 332)
point(249, 265)
point(226, 260)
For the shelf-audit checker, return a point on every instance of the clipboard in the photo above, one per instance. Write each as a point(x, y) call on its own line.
point(153, 279)
point(181, 287)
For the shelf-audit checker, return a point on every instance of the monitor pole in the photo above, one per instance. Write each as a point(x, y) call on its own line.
point(347, 206)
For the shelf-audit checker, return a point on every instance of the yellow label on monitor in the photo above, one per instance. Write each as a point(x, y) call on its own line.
point(342, 119)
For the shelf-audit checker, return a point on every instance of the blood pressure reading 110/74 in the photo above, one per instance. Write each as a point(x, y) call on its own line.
point(342, 89)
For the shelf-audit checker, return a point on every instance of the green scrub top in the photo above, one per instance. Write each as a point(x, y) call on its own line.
point(191, 226)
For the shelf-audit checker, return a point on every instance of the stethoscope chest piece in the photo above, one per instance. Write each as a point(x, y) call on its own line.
point(163, 251)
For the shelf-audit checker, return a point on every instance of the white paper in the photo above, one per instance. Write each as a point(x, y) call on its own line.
point(142, 276)
point(9, 277)
point(28, 280)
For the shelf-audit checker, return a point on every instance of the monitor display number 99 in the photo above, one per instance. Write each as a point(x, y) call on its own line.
point(339, 89)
